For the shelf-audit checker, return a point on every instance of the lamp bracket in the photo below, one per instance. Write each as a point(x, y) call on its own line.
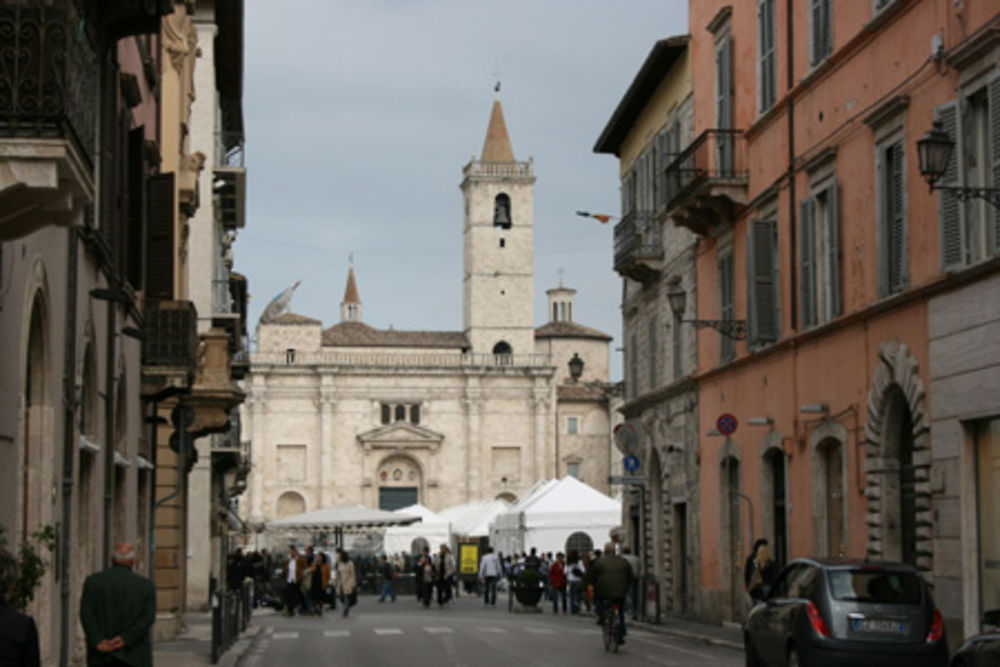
point(991, 195)
point(735, 329)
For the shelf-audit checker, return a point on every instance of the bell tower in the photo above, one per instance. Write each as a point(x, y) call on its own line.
point(498, 233)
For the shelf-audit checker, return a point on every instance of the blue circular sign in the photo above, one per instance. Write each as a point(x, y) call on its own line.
point(726, 424)
point(631, 463)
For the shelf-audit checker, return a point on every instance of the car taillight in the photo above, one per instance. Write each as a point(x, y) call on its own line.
point(816, 621)
point(937, 628)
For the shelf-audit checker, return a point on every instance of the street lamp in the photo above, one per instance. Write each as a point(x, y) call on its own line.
point(934, 151)
point(734, 329)
point(575, 367)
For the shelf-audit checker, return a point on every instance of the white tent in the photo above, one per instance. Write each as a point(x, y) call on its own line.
point(431, 527)
point(344, 517)
point(551, 513)
point(473, 519)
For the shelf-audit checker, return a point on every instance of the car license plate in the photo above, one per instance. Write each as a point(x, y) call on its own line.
point(882, 626)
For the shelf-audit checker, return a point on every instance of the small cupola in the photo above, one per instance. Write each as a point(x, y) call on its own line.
point(561, 303)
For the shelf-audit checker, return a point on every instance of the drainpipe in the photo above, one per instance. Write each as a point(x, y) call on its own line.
point(109, 421)
point(69, 447)
point(790, 120)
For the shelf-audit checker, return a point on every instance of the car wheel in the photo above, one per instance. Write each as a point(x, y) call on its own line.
point(793, 658)
point(751, 654)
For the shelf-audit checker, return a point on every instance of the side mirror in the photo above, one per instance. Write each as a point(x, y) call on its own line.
point(992, 617)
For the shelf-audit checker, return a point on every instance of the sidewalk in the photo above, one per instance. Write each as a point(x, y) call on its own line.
point(194, 645)
point(729, 635)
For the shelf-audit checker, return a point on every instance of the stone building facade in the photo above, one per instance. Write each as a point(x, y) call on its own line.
point(354, 414)
point(654, 256)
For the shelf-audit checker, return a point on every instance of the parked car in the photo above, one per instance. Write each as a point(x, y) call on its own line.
point(983, 649)
point(846, 612)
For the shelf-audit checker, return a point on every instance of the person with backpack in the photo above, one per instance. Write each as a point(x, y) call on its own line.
point(388, 573)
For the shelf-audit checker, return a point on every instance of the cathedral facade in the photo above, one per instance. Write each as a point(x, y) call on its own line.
point(352, 414)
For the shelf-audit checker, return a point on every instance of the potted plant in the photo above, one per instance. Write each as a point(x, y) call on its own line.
point(529, 587)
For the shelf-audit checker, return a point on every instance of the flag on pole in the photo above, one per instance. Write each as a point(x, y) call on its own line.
point(603, 217)
point(278, 304)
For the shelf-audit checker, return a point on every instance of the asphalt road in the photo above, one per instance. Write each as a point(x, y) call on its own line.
point(463, 634)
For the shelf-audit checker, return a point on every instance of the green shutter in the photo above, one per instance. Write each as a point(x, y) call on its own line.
point(951, 212)
point(807, 262)
point(896, 221)
point(817, 31)
point(994, 110)
point(160, 237)
point(831, 225)
point(762, 298)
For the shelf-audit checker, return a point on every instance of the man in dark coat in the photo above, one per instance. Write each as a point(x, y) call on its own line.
point(611, 576)
point(18, 633)
point(117, 611)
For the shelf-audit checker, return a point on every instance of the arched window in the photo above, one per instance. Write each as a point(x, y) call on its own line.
point(501, 211)
point(418, 545)
point(581, 542)
point(290, 503)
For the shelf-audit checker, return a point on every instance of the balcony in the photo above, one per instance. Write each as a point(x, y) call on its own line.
point(230, 190)
point(169, 350)
point(706, 185)
point(48, 97)
point(638, 247)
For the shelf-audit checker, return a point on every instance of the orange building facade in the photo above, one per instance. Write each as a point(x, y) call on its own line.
point(816, 229)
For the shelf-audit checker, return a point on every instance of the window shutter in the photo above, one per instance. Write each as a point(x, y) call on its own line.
point(827, 29)
point(807, 262)
point(160, 237)
point(832, 232)
point(896, 221)
point(726, 303)
point(133, 231)
point(817, 31)
point(951, 212)
point(994, 104)
point(761, 301)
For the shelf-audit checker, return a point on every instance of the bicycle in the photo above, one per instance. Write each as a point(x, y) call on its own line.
point(610, 627)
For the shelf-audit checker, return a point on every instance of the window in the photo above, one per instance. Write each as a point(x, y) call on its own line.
point(726, 349)
point(400, 413)
point(724, 101)
point(390, 412)
point(501, 211)
point(821, 34)
point(766, 70)
point(415, 414)
point(892, 256)
point(819, 259)
point(290, 356)
point(573, 425)
point(580, 543)
point(652, 353)
point(762, 282)
point(386, 413)
point(970, 230)
point(573, 469)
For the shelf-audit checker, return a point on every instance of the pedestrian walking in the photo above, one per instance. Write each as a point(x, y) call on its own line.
point(557, 583)
point(18, 633)
point(117, 610)
point(490, 571)
point(388, 574)
point(425, 577)
point(347, 585)
point(444, 573)
point(316, 584)
point(575, 573)
point(763, 571)
point(292, 571)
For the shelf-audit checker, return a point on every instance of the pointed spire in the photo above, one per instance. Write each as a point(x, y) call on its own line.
point(350, 307)
point(497, 148)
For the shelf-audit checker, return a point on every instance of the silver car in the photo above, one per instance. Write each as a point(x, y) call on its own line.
point(846, 612)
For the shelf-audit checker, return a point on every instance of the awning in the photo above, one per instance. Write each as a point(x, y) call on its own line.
point(346, 517)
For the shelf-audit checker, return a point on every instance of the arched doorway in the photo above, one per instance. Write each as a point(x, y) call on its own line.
point(399, 483)
point(776, 507)
point(900, 484)
point(731, 552)
point(828, 505)
point(37, 404)
point(580, 542)
point(290, 503)
point(657, 563)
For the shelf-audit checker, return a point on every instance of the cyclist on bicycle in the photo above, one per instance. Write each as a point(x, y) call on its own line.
point(611, 576)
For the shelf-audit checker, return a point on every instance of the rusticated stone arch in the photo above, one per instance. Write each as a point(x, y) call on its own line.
point(897, 398)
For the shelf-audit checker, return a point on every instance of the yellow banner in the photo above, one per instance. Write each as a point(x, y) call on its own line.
point(469, 556)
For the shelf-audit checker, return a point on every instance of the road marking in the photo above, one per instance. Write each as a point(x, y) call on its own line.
point(336, 633)
point(438, 630)
point(540, 631)
point(494, 630)
point(269, 629)
point(388, 631)
point(286, 635)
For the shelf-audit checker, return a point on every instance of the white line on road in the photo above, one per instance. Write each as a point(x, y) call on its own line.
point(541, 631)
point(437, 630)
point(286, 635)
point(336, 633)
point(675, 647)
point(388, 631)
point(494, 630)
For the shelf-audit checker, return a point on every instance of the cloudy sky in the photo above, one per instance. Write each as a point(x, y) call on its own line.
point(361, 113)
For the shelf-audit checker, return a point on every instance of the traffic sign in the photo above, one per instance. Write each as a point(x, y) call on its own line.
point(634, 480)
point(631, 463)
point(726, 423)
point(626, 438)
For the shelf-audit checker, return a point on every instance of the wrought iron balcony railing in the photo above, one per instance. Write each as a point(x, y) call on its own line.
point(637, 239)
point(171, 334)
point(48, 73)
point(716, 155)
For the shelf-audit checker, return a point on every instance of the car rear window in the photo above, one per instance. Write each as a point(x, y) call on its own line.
point(871, 585)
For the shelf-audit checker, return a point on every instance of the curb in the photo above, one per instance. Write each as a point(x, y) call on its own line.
point(697, 636)
point(239, 649)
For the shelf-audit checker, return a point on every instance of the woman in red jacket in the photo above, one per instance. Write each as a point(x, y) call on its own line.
point(557, 582)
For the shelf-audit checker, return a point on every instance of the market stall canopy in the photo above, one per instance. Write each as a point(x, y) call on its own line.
point(432, 528)
point(345, 517)
point(473, 519)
